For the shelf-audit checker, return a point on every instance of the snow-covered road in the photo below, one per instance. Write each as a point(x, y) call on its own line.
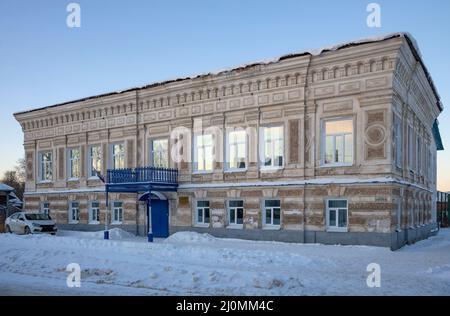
point(195, 264)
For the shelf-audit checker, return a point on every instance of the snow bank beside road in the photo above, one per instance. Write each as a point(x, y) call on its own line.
point(188, 263)
point(114, 233)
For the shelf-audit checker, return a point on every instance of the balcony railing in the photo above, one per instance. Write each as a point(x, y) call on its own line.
point(143, 175)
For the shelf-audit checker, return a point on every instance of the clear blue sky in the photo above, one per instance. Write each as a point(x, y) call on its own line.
point(128, 43)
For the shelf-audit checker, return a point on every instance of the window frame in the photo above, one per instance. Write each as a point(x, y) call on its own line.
point(262, 148)
point(336, 228)
point(91, 209)
point(419, 155)
point(90, 161)
point(235, 210)
point(41, 166)
point(45, 207)
point(410, 148)
point(152, 152)
point(323, 138)
point(203, 208)
point(264, 216)
point(113, 156)
point(71, 212)
point(228, 150)
point(398, 130)
point(115, 221)
point(195, 164)
point(70, 159)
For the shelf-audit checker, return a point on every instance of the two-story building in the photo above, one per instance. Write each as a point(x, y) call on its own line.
point(332, 146)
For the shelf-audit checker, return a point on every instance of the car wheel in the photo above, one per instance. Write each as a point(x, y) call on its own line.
point(53, 234)
point(27, 230)
point(8, 229)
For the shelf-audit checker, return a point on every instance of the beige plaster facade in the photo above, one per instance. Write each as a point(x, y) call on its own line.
point(381, 86)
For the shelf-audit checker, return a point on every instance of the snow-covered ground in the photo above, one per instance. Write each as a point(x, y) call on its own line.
point(195, 264)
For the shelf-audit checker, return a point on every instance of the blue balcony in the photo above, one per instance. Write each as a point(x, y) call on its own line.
point(141, 179)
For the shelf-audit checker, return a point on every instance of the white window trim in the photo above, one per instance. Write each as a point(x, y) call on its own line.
point(43, 208)
point(234, 225)
point(69, 163)
point(227, 152)
point(112, 156)
point(335, 229)
point(91, 177)
point(151, 151)
point(398, 143)
point(419, 155)
point(202, 224)
point(195, 154)
point(71, 208)
point(40, 169)
point(263, 208)
point(91, 221)
point(410, 148)
point(262, 143)
point(323, 138)
point(113, 209)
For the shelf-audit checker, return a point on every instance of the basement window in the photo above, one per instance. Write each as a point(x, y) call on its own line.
point(117, 212)
point(202, 213)
point(236, 213)
point(272, 213)
point(74, 213)
point(337, 215)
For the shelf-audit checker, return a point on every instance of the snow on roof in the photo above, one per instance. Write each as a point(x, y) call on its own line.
point(311, 52)
point(5, 188)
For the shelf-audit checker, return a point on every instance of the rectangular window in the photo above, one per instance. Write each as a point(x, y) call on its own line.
point(236, 150)
point(94, 213)
point(46, 166)
point(74, 214)
point(272, 213)
point(203, 152)
point(419, 155)
point(272, 146)
point(410, 148)
point(338, 142)
point(430, 165)
point(117, 212)
point(45, 208)
point(337, 213)
point(236, 213)
point(118, 156)
point(398, 143)
point(202, 214)
point(159, 153)
point(95, 161)
point(74, 163)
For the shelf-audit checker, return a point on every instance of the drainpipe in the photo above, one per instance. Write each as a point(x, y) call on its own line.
point(106, 232)
point(304, 147)
point(136, 159)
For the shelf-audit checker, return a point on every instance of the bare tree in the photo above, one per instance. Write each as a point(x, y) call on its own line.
point(16, 178)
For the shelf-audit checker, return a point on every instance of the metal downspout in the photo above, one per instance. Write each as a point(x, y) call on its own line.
point(136, 160)
point(304, 146)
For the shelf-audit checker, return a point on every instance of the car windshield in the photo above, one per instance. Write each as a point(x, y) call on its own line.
point(37, 217)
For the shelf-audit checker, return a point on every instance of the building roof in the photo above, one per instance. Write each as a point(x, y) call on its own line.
point(5, 188)
point(312, 52)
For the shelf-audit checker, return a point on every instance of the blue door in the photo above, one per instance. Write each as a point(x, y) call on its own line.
point(160, 218)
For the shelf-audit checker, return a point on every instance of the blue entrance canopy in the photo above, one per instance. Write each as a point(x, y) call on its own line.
point(144, 179)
